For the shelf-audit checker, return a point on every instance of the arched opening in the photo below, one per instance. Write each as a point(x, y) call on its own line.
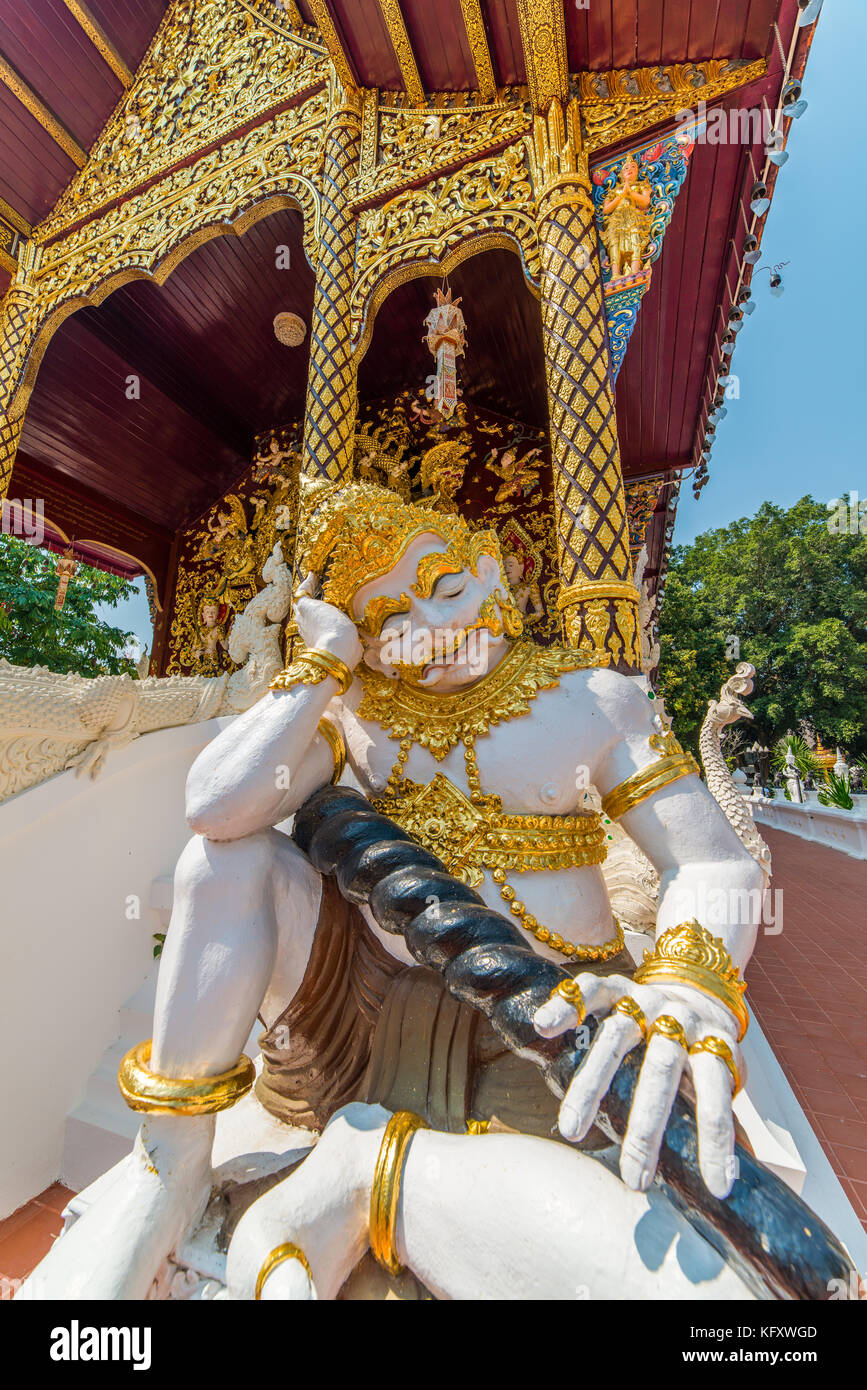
point(503, 367)
point(146, 406)
point(491, 459)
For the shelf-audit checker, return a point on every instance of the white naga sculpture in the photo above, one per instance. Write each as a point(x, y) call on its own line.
point(435, 1042)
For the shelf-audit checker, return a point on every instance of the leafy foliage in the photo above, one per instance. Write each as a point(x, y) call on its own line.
point(795, 596)
point(806, 762)
point(73, 639)
point(836, 793)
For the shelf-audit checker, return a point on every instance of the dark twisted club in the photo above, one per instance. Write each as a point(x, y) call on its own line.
point(778, 1246)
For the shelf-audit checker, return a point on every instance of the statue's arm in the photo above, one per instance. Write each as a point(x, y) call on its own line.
point(271, 758)
point(263, 766)
point(705, 871)
point(691, 1015)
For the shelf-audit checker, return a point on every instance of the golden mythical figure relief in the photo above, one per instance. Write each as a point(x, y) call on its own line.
point(626, 225)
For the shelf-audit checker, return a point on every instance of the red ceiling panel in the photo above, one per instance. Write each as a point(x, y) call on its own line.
point(439, 39)
point(661, 382)
point(649, 32)
point(57, 60)
point(33, 169)
point(503, 368)
point(212, 375)
point(501, 21)
point(206, 336)
point(130, 24)
point(54, 56)
point(366, 40)
point(148, 454)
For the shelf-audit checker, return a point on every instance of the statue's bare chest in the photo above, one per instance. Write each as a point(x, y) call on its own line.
point(534, 762)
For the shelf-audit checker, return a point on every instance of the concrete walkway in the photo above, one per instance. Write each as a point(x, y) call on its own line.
point(808, 987)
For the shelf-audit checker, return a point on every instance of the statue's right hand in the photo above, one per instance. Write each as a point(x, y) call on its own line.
point(325, 627)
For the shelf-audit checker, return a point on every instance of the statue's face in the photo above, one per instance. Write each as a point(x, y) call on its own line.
point(425, 623)
point(629, 171)
point(210, 614)
point(514, 569)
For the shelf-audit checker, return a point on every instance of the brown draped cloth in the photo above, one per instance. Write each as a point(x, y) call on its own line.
point(365, 1027)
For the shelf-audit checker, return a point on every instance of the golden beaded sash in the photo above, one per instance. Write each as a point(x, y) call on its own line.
point(471, 836)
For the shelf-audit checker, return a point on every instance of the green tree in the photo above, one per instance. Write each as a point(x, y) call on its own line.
point(73, 639)
point(795, 597)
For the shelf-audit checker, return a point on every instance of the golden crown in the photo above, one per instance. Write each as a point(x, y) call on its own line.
point(357, 532)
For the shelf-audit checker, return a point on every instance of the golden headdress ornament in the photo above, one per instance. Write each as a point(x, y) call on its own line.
point(357, 532)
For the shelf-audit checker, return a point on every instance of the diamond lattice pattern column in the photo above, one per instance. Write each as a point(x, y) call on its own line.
point(332, 389)
point(597, 596)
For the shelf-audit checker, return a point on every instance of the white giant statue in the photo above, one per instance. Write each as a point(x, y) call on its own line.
point(442, 1150)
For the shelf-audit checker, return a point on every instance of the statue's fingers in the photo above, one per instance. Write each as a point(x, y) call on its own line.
point(308, 586)
point(557, 1014)
point(617, 1036)
point(714, 1122)
point(654, 1095)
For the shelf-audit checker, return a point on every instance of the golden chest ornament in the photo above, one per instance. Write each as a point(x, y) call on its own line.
point(471, 832)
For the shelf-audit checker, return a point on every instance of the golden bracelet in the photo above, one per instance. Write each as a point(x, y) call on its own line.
point(332, 666)
point(570, 990)
point(278, 1256)
point(689, 955)
point(668, 1027)
point(718, 1047)
point(334, 738)
point(311, 668)
point(143, 1089)
point(385, 1193)
point(645, 783)
point(630, 1008)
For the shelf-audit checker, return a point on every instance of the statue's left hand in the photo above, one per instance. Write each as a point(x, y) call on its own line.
point(665, 1061)
point(323, 626)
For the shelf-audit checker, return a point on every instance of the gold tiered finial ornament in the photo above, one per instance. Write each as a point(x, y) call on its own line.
point(66, 569)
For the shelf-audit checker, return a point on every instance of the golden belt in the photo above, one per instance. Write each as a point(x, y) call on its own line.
point(472, 836)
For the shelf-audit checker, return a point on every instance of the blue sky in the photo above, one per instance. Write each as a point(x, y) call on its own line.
point(799, 425)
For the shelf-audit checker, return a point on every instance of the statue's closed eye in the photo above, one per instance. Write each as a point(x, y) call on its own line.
point(377, 609)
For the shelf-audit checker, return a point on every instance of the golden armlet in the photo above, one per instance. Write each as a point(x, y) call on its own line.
point(689, 955)
point(278, 1256)
point(385, 1193)
point(310, 668)
point(643, 784)
point(334, 738)
point(143, 1089)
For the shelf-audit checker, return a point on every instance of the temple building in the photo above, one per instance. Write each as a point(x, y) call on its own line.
point(223, 227)
point(490, 255)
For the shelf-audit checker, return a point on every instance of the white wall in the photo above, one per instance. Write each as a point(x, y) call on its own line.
point(826, 825)
point(72, 852)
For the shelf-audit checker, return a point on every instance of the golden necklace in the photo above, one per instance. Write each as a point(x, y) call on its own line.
point(439, 723)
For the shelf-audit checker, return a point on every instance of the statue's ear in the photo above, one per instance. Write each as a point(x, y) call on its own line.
point(487, 569)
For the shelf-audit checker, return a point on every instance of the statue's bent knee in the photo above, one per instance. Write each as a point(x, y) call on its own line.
point(216, 867)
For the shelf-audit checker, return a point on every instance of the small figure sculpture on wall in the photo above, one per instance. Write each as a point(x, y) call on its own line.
point(214, 619)
point(626, 226)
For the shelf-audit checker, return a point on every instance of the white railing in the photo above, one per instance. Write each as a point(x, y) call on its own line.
point(824, 825)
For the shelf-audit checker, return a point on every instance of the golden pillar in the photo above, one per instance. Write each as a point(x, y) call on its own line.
point(329, 427)
point(10, 434)
point(598, 599)
point(15, 342)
